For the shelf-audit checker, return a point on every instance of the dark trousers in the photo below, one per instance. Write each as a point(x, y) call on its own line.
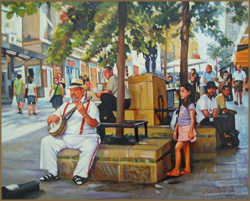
point(224, 123)
point(109, 104)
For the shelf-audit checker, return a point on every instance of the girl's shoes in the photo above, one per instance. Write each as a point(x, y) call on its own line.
point(184, 172)
point(172, 174)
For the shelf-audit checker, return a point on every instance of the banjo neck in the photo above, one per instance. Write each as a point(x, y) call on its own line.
point(66, 116)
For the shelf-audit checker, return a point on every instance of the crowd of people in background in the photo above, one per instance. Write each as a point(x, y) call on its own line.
point(236, 81)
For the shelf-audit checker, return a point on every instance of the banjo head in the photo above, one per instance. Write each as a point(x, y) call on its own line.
point(57, 128)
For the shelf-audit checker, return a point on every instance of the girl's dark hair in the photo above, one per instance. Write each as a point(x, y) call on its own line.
point(194, 70)
point(190, 98)
point(221, 74)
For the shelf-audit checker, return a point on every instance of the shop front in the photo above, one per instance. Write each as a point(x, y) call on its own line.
point(72, 70)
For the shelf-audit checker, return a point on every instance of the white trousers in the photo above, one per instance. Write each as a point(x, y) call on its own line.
point(51, 146)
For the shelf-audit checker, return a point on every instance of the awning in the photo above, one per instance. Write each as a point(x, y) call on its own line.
point(191, 62)
point(242, 56)
point(21, 52)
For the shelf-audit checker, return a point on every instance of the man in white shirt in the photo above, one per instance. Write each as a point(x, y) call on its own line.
point(206, 107)
point(239, 80)
point(80, 134)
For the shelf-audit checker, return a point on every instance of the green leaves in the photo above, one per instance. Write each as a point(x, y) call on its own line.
point(21, 12)
point(21, 7)
point(10, 14)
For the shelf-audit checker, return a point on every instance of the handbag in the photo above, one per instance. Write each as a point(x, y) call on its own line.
point(53, 95)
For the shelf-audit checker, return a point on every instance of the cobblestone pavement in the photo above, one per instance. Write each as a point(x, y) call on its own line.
point(226, 177)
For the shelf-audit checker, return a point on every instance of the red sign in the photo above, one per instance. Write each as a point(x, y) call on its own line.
point(71, 63)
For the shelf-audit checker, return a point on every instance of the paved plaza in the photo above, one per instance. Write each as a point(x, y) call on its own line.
point(226, 177)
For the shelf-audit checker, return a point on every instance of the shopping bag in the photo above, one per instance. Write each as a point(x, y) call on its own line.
point(14, 103)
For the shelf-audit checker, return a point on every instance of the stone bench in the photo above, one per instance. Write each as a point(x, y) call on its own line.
point(136, 163)
point(203, 149)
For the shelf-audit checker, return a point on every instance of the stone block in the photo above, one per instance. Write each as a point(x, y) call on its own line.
point(143, 164)
point(145, 90)
point(67, 160)
point(205, 146)
point(150, 151)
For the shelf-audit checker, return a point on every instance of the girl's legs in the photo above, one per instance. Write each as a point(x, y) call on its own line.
point(187, 156)
point(178, 147)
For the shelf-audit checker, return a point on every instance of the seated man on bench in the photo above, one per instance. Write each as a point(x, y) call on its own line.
point(207, 114)
point(206, 107)
point(225, 116)
point(109, 99)
point(80, 134)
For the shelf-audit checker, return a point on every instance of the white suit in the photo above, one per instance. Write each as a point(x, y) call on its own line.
point(87, 141)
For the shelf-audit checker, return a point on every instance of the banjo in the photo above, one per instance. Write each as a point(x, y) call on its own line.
point(56, 129)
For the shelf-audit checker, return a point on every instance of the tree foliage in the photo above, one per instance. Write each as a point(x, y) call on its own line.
point(21, 7)
point(95, 25)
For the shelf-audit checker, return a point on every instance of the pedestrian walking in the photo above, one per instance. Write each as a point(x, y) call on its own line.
point(19, 91)
point(62, 81)
point(87, 83)
point(185, 128)
point(57, 97)
point(31, 96)
point(229, 83)
point(239, 80)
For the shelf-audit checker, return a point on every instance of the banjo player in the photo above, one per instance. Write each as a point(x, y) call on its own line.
point(80, 133)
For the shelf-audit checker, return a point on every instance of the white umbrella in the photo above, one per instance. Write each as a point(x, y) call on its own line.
point(191, 62)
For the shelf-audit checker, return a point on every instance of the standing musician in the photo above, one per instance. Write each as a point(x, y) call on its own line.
point(80, 134)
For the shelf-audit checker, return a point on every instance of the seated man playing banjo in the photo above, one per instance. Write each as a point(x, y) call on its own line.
point(80, 133)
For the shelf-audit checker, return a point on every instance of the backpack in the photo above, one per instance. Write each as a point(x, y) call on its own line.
point(174, 119)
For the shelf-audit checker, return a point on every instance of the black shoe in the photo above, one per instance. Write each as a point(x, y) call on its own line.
point(19, 111)
point(241, 102)
point(236, 103)
point(79, 180)
point(49, 177)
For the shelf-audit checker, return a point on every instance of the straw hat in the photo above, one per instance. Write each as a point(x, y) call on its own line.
point(77, 83)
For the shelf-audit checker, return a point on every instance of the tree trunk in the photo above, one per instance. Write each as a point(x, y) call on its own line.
point(165, 53)
point(184, 42)
point(121, 68)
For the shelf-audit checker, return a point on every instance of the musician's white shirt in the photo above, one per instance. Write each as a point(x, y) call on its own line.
point(75, 121)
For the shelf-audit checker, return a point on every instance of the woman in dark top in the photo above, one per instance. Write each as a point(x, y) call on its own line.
point(194, 77)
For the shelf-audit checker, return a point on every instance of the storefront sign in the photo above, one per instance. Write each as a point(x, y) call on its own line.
point(71, 63)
